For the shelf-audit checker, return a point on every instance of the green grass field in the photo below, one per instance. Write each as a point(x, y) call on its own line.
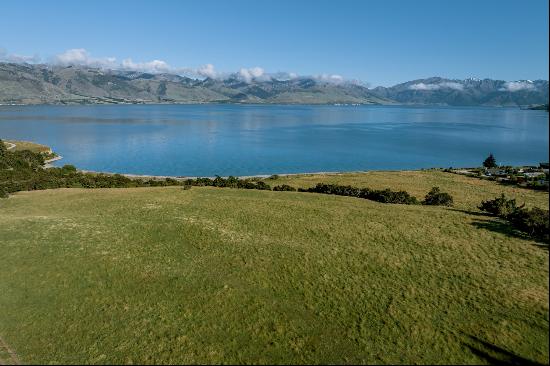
point(218, 275)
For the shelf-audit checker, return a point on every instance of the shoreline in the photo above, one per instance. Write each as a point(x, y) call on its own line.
point(264, 176)
point(182, 177)
point(48, 163)
point(333, 104)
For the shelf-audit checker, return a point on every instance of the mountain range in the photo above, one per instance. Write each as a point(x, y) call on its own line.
point(47, 84)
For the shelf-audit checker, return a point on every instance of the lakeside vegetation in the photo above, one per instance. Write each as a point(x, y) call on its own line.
point(208, 275)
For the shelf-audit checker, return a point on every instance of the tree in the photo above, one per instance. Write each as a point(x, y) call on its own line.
point(490, 162)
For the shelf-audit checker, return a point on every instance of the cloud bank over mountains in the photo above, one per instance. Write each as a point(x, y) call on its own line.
point(509, 86)
point(41, 83)
point(81, 57)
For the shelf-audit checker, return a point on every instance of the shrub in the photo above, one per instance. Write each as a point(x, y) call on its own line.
point(533, 222)
point(437, 198)
point(3, 149)
point(273, 177)
point(201, 182)
point(284, 187)
point(384, 196)
point(232, 182)
point(389, 196)
point(219, 181)
point(263, 186)
point(68, 168)
point(246, 184)
point(500, 206)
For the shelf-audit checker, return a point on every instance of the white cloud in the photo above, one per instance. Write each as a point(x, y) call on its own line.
point(207, 70)
point(154, 67)
point(513, 86)
point(283, 76)
point(422, 86)
point(329, 78)
point(251, 74)
point(73, 56)
point(81, 57)
point(19, 59)
point(452, 85)
point(443, 85)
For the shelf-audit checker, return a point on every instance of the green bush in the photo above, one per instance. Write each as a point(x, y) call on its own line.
point(500, 206)
point(437, 198)
point(3, 149)
point(284, 187)
point(383, 196)
point(229, 182)
point(263, 186)
point(533, 222)
point(68, 168)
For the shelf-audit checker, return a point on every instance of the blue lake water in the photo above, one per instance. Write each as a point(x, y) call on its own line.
point(205, 140)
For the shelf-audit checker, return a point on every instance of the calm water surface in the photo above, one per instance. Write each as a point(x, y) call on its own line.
point(205, 140)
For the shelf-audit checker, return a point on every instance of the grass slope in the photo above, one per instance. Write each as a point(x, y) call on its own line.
point(166, 275)
point(26, 145)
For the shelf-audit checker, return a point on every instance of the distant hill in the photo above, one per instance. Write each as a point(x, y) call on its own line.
point(46, 84)
point(468, 92)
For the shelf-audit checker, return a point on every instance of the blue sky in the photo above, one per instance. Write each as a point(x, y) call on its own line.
point(378, 42)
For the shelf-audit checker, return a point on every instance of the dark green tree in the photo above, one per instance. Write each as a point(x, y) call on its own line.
point(490, 162)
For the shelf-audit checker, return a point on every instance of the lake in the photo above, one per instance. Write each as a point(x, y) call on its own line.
point(208, 140)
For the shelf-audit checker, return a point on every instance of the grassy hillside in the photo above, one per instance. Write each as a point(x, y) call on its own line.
point(207, 275)
point(26, 145)
point(468, 192)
